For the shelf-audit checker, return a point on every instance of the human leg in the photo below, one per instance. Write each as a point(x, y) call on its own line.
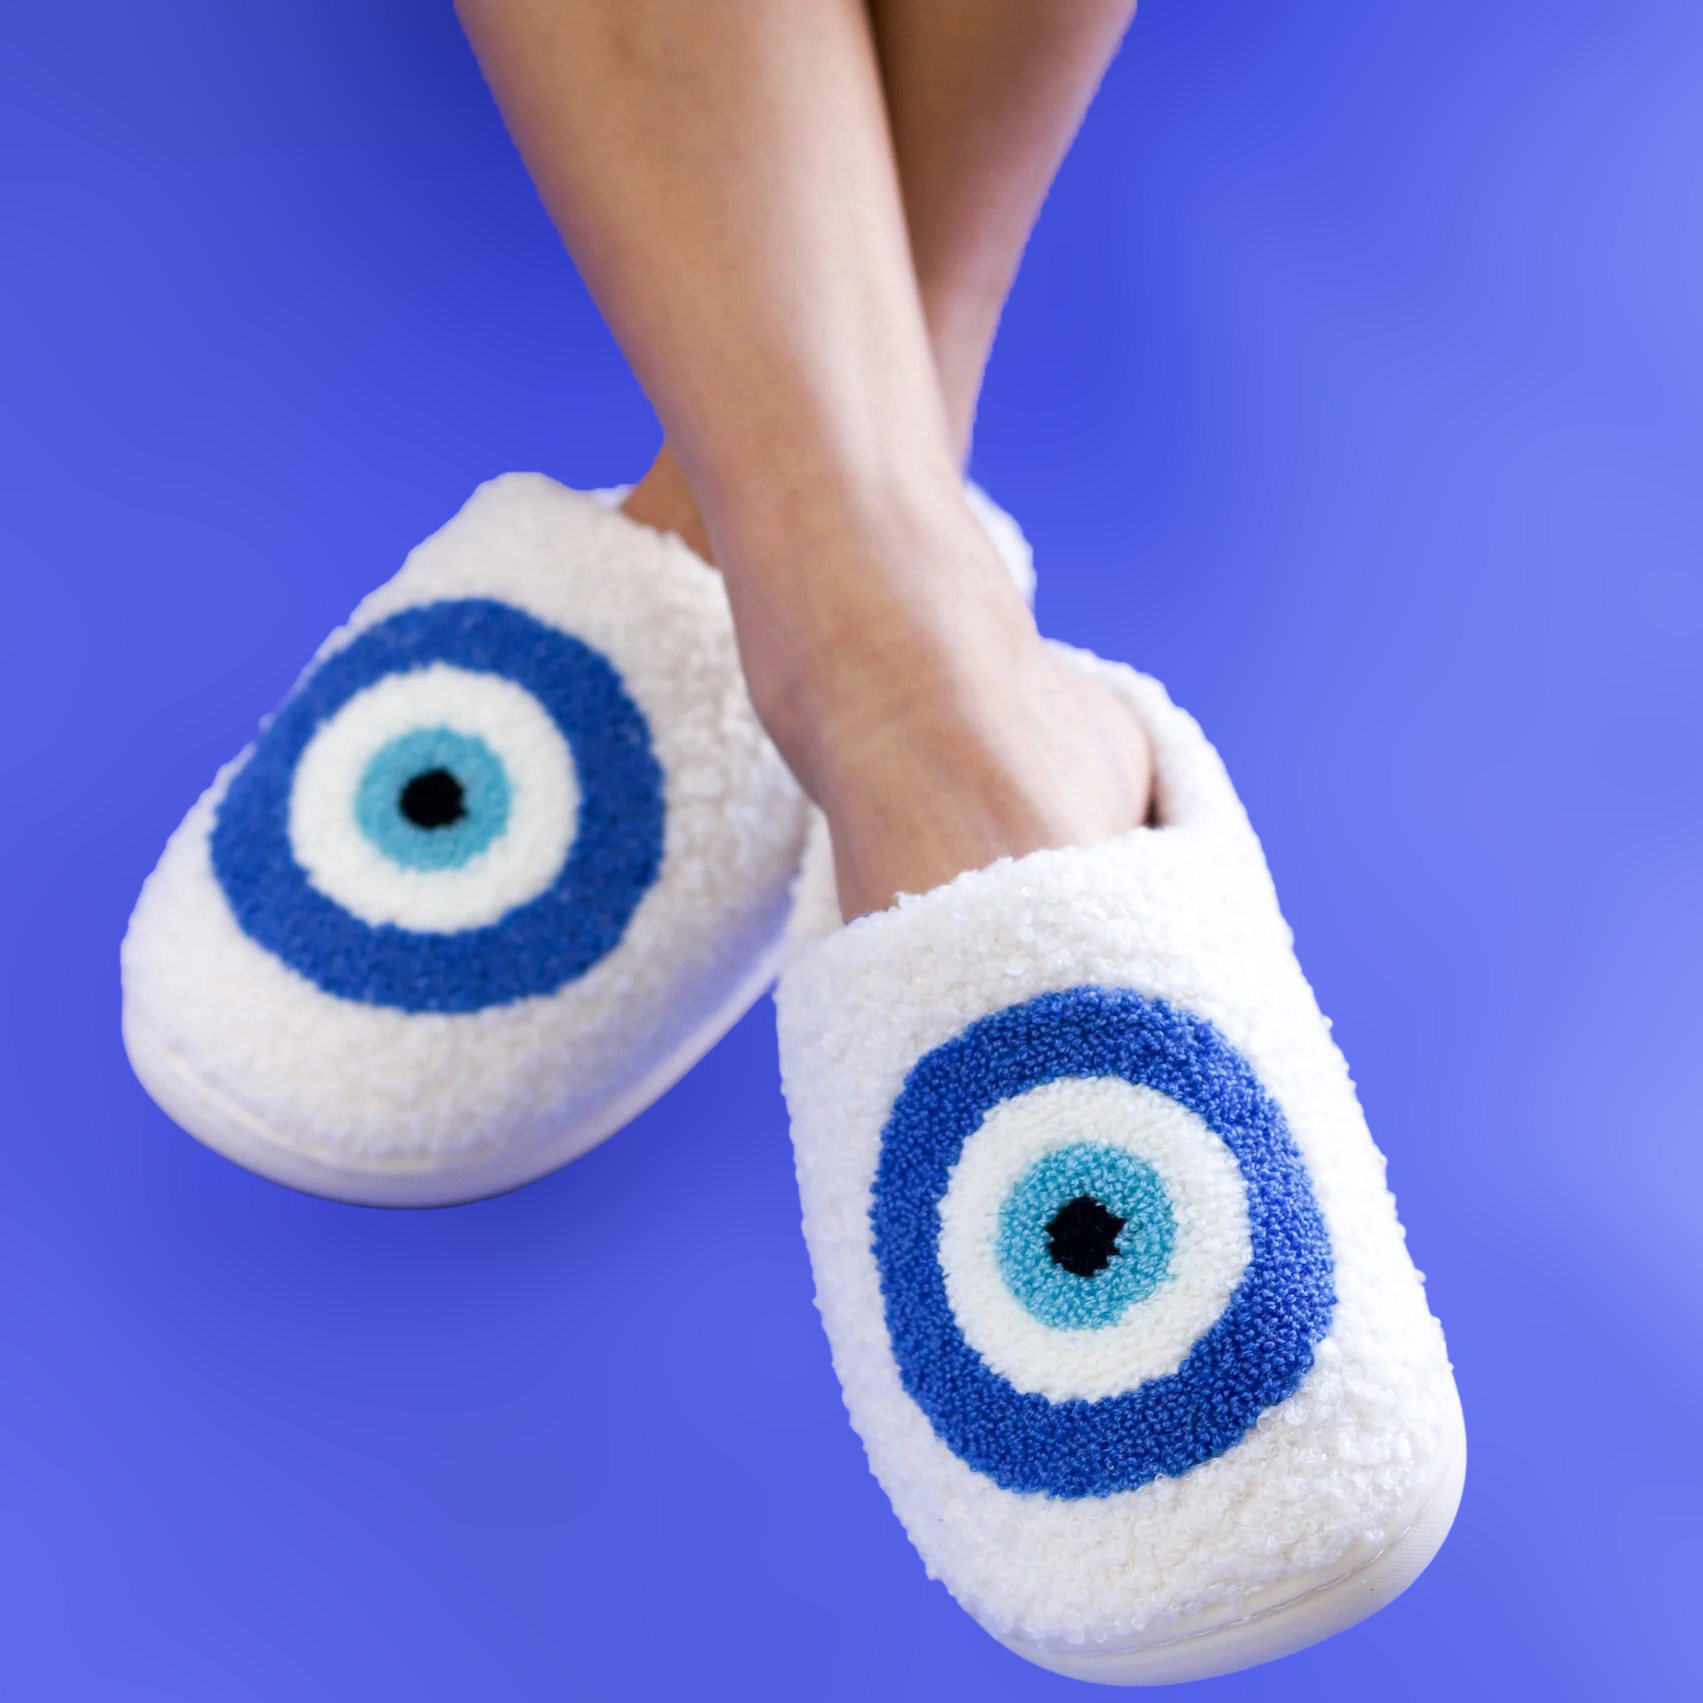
point(748, 244)
point(983, 98)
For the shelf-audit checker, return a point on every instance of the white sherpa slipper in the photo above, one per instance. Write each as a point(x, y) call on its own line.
point(1114, 1287)
point(511, 857)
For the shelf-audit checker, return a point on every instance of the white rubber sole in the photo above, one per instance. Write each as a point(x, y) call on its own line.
point(1288, 1616)
point(231, 1129)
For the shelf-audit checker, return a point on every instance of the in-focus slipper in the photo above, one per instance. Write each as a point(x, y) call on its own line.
point(1115, 1289)
point(510, 858)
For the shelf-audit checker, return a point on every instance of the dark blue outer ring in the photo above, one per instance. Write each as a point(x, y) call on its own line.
point(538, 947)
point(1253, 1357)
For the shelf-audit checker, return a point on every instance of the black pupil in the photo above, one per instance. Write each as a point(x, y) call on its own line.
point(1084, 1236)
point(434, 800)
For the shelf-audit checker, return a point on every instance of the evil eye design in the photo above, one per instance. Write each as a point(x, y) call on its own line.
point(1086, 1233)
point(432, 799)
point(458, 809)
point(1099, 1249)
point(1027, 1257)
point(437, 800)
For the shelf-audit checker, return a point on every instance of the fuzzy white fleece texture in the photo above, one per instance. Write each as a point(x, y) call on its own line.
point(1184, 912)
point(376, 1104)
point(507, 1092)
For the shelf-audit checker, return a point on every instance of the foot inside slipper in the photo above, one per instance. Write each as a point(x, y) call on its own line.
point(511, 856)
point(1115, 1289)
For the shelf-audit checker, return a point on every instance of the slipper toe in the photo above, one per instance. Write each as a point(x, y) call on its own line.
point(1115, 1288)
point(510, 857)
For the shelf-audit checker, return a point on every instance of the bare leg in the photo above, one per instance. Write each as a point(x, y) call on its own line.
point(983, 100)
point(724, 174)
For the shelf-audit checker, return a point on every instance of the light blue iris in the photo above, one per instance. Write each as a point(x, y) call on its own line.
point(1123, 1187)
point(430, 751)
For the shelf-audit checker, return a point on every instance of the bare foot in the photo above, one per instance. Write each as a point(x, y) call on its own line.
point(919, 707)
point(921, 710)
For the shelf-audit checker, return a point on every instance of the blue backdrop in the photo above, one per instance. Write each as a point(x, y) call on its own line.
point(1354, 385)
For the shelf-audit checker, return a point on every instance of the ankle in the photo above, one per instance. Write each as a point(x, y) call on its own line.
point(897, 618)
point(824, 499)
point(663, 500)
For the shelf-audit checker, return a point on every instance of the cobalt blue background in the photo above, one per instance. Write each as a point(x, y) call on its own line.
point(1354, 385)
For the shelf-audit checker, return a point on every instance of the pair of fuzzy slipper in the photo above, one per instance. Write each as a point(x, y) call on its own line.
point(1115, 1290)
